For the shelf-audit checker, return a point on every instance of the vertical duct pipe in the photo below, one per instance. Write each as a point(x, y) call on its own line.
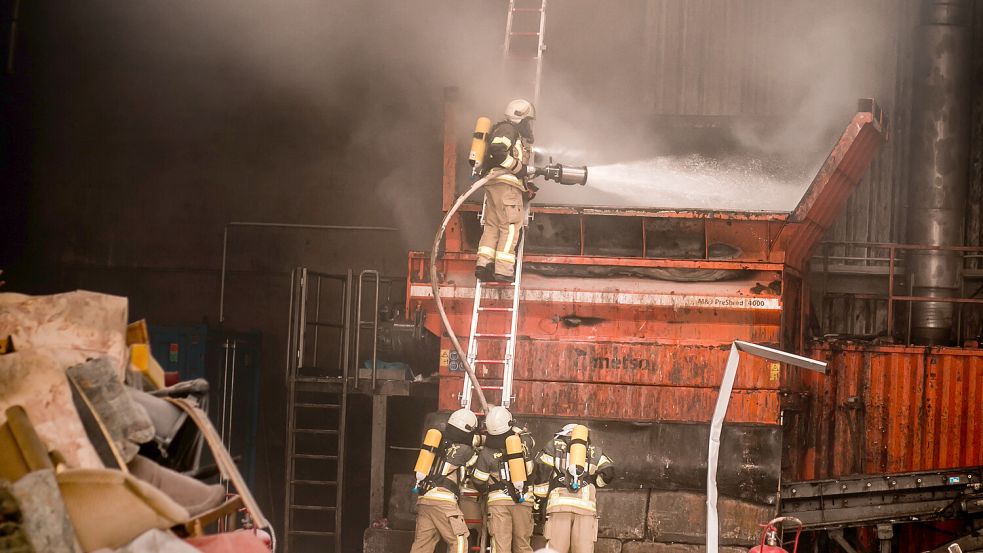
point(939, 163)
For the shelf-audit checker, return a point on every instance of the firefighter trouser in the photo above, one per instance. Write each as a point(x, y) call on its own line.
point(503, 222)
point(471, 509)
point(570, 532)
point(510, 526)
point(436, 522)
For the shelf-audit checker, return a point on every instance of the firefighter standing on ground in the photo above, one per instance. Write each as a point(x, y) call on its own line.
point(438, 514)
point(510, 519)
point(570, 489)
point(510, 148)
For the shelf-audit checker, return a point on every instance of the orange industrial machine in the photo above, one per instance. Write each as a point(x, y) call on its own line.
point(626, 317)
point(625, 314)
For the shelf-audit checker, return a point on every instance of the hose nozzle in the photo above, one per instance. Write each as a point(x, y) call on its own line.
point(563, 174)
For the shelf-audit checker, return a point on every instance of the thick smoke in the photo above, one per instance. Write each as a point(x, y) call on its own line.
point(299, 110)
point(750, 108)
point(829, 56)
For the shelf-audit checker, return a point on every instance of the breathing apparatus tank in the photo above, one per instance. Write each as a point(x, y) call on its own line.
point(516, 463)
point(577, 464)
point(479, 145)
point(428, 452)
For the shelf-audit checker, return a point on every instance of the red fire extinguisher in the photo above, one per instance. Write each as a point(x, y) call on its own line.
point(771, 540)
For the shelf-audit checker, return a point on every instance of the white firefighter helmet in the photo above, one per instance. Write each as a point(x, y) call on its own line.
point(464, 420)
point(519, 109)
point(566, 430)
point(498, 421)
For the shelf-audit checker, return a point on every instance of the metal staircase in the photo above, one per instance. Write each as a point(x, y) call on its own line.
point(316, 409)
point(525, 44)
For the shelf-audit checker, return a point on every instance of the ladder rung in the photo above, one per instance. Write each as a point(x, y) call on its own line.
point(494, 309)
point(313, 456)
point(491, 335)
point(325, 325)
point(491, 387)
point(524, 33)
point(315, 431)
point(315, 482)
point(497, 284)
point(318, 405)
point(312, 508)
point(527, 9)
point(310, 533)
point(490, 361)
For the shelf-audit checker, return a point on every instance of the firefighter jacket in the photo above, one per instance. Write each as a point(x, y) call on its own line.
point(555, 481)
point(447, 478)
point(490, 472)
point(509, 150)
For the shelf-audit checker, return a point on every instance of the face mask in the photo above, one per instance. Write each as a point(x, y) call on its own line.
point(525, 129)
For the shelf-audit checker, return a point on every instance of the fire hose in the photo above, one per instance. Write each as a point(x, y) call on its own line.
point(554, 171)
point(435, 285)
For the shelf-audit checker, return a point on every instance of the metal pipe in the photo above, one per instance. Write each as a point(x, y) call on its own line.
point(939, 163)
point(12, 42)
point(225, 384)
point(343, 414)
point(301, 321)
point(375, 321)
point(288, 461)
point(317, 318)
point(260, 224)
point(358, 332)
point(232, 397)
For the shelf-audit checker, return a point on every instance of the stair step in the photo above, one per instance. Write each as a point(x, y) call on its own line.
point(315, 482)
point(310, 533)
point(325, 325)
point(315, 431)
point(312, 508)
point(313, 456)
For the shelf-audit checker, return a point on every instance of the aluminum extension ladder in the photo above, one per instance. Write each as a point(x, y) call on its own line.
point(525, 43)
point(476, 336)
point(317, 403)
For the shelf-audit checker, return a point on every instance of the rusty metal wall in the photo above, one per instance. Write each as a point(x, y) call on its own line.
point(891, 409)
point(707, 57)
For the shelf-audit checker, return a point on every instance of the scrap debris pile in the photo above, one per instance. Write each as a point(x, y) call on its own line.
point(96, 454)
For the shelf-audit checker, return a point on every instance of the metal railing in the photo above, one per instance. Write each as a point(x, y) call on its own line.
point(892, 260)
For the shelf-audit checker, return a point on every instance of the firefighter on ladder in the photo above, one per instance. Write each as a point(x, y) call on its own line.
point(571, 469)
point(502, 471)
point(509, 148)
point(443, 461)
